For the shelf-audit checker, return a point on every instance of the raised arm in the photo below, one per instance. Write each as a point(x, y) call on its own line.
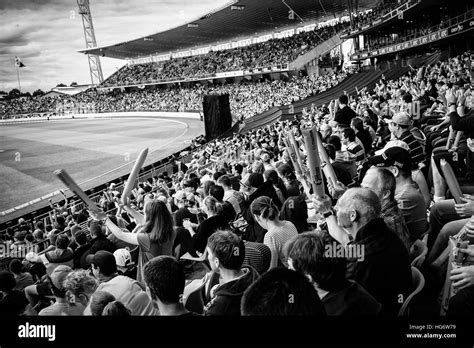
point(127, 237)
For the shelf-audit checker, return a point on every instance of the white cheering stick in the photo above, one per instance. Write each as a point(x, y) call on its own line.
point(297, 166)
point(314, 163)
point(74, 187)
point(295, 146)
point(133, 175)
point(326, 164)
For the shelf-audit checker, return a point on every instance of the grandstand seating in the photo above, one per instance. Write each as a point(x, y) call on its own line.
point(273, 53)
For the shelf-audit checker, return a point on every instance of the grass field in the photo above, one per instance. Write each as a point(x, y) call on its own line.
point(86, 148)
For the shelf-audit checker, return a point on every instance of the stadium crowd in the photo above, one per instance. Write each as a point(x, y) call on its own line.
point(363, 19)
point(237, 231)
point(246, 98)
point(272, 53)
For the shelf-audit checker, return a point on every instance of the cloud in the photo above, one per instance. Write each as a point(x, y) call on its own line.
point(25, 4)
point(46, 35)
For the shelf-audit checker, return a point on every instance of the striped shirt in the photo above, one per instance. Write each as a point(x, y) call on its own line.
point(394, 219)
point(276, 238)
point(258, 256)
point(416, 150)
point(356, 150)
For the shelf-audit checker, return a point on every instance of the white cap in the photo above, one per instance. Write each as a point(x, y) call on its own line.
point(122, 257)
point(393, 143)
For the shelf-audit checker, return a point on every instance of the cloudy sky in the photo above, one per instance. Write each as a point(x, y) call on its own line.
point(46, 35)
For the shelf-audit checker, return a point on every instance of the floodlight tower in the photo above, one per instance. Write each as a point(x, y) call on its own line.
point(89, 34)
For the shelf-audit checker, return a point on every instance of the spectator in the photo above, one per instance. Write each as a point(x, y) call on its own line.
point(295, 210)
point(99, 240)
point(125, 265)
point(13, 302)
point(226, 254)
point(385, 271)
point(194, 242)
point(22, 279)
point(345, 114)
point(60, 255)
point(278, 233)
point(230, 195)
point(362, 134)
point(116, 309)
point(382, 182)
point(407, 194)
point(82, 249)
point(282, 292)
point(354, 149)
point(61, 305)
point(80, 285)
point(399, 128)
point(228, 211)
point(307, 254)
point(99, 300)
point(165, 280)
point(18, 248)
point(130, 292)
point(154, 238)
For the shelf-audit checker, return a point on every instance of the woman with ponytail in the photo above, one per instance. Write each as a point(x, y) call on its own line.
point(279, 232)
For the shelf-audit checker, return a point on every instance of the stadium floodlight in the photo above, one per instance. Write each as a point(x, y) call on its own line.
point(193, 25)
point(89, 34)
point(237, 7)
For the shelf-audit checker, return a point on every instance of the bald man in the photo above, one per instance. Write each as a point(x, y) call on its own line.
point(385, 269)
point(383, 183)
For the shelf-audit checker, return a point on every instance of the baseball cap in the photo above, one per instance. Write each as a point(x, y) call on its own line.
point(393, 143)
point(401, 118)
point(123, 257)
point(180, 195)
point(58, 275)
point(393, 156)
point(103, 259)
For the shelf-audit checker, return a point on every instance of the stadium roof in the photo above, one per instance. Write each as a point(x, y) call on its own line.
point(243, 18)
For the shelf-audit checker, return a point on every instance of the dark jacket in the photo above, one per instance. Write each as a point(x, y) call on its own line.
point(345, 115)
point(227, 297)
point(205, 230)
point(385, 271)
point(253, 232)
point(366, 139)
point(78, 252)
point(465, 123)
point(101, 243)
point(351, 301)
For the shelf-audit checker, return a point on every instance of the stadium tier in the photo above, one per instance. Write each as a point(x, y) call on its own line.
point(275, 54)
point(347, 183)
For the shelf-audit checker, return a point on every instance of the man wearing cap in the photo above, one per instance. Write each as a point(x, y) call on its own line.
point(399, 128)
point(407, 193)
point(126, 290)
point(61, 306)
point(125, 265)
